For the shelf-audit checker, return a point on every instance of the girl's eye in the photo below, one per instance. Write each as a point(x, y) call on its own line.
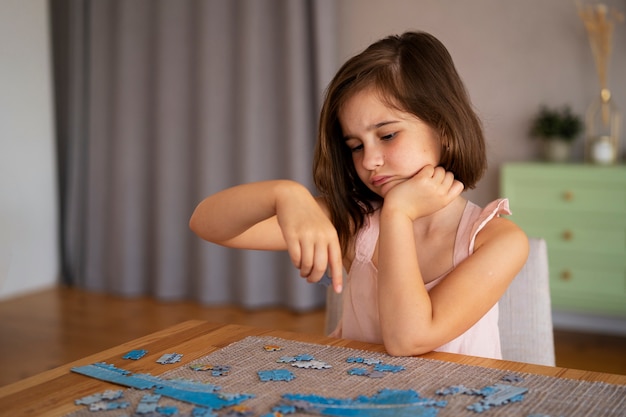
point(356, 148)
point(389, 136)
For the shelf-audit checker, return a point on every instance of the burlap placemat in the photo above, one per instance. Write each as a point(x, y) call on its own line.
point(546, 396)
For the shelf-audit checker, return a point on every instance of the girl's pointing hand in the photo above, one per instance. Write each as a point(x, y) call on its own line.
point(311, 238)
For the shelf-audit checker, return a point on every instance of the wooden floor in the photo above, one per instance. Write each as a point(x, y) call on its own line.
point(43, 330)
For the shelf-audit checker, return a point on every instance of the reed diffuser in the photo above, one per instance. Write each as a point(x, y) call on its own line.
point(603, 119)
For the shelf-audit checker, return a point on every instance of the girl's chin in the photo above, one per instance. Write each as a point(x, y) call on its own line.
point(385, 188)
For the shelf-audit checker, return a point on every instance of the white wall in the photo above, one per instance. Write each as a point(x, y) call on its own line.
point(513, 56)
point(28, 205)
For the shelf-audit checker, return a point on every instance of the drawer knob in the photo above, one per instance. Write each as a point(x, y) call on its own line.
point(568, 196)
point(566, 275)
point(568, 235)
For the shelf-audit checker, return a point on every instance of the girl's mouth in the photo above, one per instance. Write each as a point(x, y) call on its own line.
point(379, 180)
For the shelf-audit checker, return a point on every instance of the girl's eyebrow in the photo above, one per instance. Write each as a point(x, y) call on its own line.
point(374, 127)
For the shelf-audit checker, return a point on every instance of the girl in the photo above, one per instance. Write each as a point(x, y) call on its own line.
point(398, 142)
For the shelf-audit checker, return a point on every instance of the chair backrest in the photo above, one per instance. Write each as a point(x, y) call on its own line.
point(526, 332)
point(525, 322)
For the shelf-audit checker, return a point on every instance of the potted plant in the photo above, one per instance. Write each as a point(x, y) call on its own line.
point(557, 128)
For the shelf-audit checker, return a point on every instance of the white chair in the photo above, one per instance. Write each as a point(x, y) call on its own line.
point(525, 323)
point(526, 331)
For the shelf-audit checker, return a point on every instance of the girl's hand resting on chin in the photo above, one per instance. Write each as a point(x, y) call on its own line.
point(429, 190)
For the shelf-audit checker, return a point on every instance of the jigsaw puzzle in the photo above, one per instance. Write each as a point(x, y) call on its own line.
point(306, 383)
point(188, 391)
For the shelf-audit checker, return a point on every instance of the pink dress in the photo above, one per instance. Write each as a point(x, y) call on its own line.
point(360, 319)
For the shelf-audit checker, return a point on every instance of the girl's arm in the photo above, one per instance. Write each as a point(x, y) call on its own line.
point(413, 320)
point(273, 215)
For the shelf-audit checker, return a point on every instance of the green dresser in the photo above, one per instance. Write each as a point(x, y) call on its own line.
point(580, 210)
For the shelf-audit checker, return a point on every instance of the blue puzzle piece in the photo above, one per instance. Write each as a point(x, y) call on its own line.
point(454, 389)
point(276, 375)
point(298, 358)
point(115, 375)
point(108, 405)
point(381, 367)
point(202, 412)
point(497, 395)
point(147, 404)
point(135, 354)
point(387, 402)
point(167, 411)
point(196, 393)
point(358, 371)
point(106, 395)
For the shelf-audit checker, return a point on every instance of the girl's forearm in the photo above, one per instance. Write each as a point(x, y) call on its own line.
point(404, 304)
point(229, 213)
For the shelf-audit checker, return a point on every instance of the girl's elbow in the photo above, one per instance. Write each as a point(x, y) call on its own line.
point(407, 348)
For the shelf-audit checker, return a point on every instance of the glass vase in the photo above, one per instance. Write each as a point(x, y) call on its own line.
point(603, 123)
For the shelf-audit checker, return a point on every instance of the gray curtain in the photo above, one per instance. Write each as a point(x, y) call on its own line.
point(162, 102)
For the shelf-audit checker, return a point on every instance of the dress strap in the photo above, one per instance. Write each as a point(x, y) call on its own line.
point(493, 209)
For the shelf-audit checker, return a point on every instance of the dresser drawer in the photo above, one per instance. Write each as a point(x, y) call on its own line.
point(587, 282)
point(580, 210)
point(581, 197)
point(596, 234)
point(565, 188)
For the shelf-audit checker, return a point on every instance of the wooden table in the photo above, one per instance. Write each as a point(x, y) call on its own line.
point(52, 393)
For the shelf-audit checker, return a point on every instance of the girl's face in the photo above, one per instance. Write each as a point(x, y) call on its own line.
point(388, 146)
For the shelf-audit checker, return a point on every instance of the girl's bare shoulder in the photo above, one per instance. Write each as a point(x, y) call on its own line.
point(503, 232)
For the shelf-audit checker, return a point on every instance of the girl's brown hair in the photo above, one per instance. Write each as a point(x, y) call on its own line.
point(415, 73)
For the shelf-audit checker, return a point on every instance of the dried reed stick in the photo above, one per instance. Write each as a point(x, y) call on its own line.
point(599, 23)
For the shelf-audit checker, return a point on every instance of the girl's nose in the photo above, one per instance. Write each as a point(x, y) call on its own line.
point(372, 158)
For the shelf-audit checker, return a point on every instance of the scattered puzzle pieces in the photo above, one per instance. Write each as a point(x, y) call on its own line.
point(208, 400)
point(106, 395)
point(202, 412)
point(358, 371)
point(386, 402)
point(193, 392)
point(216, 370)
point(272, 348)
point(366, 372)
point(239, 411)
point(147, 404)
point(104, 401)
point(297, 358)
point(377, 371)
point(170, 358)
point(512, 378)
point(135, 354)
point(304, 361)
point(497, 395)
point(167, 411)
point(454, 389)
point(381, 367)
point(276, 375)
point(493, 395)
point(312, 364)
point(108, 405)
point(366, 361)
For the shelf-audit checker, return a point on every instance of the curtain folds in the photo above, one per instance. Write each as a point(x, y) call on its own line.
point(162, 102)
